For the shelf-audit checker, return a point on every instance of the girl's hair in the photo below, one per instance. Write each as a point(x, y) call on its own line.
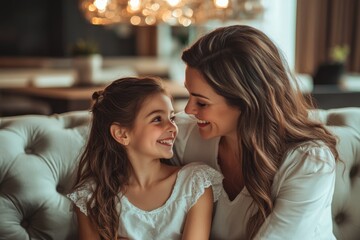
point(245, 67)
point(104, 161)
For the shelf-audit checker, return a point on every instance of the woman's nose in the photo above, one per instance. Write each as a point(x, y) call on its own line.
point(189, 108)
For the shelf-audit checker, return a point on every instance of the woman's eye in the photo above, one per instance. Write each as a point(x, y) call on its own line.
point(200, 104)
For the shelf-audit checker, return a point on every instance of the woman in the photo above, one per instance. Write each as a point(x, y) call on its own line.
point(251, 123)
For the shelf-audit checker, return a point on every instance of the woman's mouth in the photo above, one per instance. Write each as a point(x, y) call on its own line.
point(202, 123)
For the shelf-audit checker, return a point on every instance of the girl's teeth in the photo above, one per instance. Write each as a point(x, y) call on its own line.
point(169, 142)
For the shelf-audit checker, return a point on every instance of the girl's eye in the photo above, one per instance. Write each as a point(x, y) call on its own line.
point(157, 119)
point(172, 119)
point(200, 104)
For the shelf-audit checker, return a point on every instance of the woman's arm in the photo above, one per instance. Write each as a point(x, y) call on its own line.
point(303, 204)
point(86, 229)
point(199, 218)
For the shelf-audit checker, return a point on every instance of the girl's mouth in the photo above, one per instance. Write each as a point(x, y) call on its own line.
point(167, 142)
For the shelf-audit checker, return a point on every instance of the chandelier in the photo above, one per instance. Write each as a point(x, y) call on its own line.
point(172, 12)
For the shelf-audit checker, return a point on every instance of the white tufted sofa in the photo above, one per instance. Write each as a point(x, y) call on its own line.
point(38, 156)
point(37, 161)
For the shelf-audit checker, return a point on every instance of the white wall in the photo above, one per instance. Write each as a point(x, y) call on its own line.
point(280, 25)
point(278, 22)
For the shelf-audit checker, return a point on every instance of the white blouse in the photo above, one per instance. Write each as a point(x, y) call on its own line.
point(167, 221)
point(303, 189)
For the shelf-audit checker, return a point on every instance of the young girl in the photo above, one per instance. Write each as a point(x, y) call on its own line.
point(123, 190)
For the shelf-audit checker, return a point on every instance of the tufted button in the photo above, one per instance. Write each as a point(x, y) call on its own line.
point(340, 218)
point(75, 122)
point(25, 223)
point(59, 189)
point(29, 150)
point(34, 177)
point(354, 171)
point(4, 124)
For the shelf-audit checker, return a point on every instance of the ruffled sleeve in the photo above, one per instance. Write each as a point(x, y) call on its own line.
point(81, 196)
point(203, 177)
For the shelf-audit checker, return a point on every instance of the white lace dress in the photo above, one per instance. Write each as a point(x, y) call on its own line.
point(167, 221)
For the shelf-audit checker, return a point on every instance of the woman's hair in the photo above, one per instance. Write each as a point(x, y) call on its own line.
point(245, 67)
point(104, 161)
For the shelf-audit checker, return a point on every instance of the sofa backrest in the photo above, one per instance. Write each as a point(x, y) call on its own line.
point(37, 161)
point(345, 124)
point(38, 158)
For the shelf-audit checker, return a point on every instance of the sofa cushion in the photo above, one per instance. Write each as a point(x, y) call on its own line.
point(37, 160)
point(345, 124)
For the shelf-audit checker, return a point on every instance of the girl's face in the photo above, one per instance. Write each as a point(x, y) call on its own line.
point(154, 130)
point(215, 117)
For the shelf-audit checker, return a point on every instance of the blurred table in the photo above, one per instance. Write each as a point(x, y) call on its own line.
point(64, 99)
point(333, 96)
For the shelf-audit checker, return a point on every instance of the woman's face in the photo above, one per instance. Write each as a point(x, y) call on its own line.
point(215, 117)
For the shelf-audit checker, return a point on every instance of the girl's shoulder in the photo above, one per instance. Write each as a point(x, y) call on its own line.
point(186, 124)
point(199, 168)
point(82, 195)
point(194, 178)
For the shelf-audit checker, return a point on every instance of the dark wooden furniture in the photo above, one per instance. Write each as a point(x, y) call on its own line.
point(333, 96)
point(75, 98)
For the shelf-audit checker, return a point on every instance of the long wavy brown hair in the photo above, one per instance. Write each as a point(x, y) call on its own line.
point(104, 161)
point(245, 67)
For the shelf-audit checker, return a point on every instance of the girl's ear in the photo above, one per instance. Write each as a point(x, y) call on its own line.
point(120, 134)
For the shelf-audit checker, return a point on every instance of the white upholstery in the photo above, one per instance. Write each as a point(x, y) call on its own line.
point(38, 156)
point(345, 124)
point(37, 161)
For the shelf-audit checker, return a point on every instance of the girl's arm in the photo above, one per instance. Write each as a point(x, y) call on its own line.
point(199, 218)
point(86, 229)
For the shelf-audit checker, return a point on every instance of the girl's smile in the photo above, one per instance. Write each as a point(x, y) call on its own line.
point(167, 141)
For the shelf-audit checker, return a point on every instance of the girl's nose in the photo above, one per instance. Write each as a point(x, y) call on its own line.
point(172, 126)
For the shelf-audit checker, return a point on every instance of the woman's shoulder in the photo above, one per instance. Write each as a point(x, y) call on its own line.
point(189, 141)
point(184, 118)
point(185, 122)
point(310, 157)
point(186, 125)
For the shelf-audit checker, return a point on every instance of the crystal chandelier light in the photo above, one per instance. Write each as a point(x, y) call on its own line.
point(173, 12)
